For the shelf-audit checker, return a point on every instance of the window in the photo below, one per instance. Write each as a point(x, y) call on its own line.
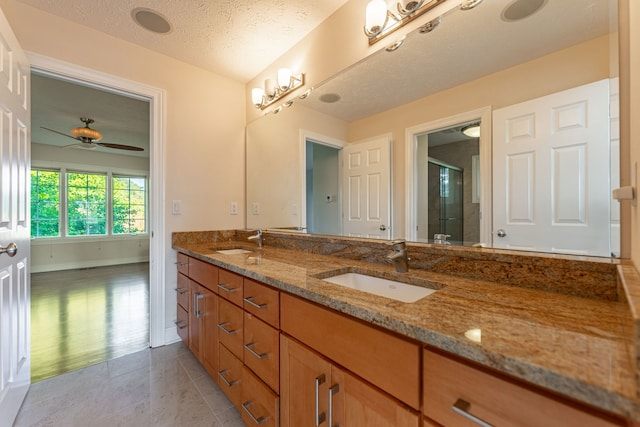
point(86, 204)
point(129, 204)
point(45, 203)
point(74, 203)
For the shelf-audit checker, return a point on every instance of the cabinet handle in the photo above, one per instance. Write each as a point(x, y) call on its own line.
point(180, 290)
point(332, 390)
point(181, 264)
point(249, 348)
point(256, 305)
point(227, 331)
point(225, 288)
point(196, 299)
point(222, 374)
point(180, 325)
point(258, 420)
point(319, 417)
point(462, 407)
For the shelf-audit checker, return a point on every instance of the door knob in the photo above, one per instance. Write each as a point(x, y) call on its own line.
point(383, 227)
point(10, 250)
point(501, 233)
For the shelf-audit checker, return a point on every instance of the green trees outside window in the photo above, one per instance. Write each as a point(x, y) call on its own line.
point(129, 205)
point(87, 204)
point(45, 203)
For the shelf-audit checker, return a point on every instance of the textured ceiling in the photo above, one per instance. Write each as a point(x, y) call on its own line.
point(233, 38)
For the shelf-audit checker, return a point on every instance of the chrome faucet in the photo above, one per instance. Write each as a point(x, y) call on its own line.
point(441, 239)
point(399, 256)
point(258, 238)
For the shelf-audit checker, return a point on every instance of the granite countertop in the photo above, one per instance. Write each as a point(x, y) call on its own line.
point(579, 347)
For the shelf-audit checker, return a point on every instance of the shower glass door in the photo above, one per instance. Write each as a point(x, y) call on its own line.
point(445, 200)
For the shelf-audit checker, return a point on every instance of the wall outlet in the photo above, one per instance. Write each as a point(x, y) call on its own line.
point(233, 210)
point(176, 207)
point(294, 209)
point(255, 208)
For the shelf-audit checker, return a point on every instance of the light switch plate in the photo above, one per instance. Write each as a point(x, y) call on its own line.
point(255, 208)
point(176, 207)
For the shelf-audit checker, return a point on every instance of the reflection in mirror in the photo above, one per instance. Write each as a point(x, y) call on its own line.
point(483, 58)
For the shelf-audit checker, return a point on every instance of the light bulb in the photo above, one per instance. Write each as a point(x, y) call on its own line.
point(284, 78)
point(257, 96)
point(376, 16)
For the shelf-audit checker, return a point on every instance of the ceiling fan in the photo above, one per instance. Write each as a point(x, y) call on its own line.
point(89, 137)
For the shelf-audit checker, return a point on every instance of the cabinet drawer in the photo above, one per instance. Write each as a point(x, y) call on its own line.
point(204, 273)
point(230, 325)
point(262, 350)
point(182, 324)
point(230, 286)
point(182, 291)
point(182, 263)
point(386, 360)
point(230, 376)
point(259, 404)
point(496, 400)
point(263, 301)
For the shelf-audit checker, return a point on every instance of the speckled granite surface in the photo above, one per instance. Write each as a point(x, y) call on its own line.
point(534, 326)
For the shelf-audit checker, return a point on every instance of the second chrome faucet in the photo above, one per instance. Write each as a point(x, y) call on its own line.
point(399, 257)
point(258, 237)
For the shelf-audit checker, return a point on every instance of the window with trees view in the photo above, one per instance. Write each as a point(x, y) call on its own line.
point(95, 204)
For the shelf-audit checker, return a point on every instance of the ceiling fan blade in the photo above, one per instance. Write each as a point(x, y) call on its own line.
point(59, 133)
point(119, 146)
point(82, 145)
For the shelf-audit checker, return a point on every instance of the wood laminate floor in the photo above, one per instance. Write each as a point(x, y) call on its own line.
point(83, 317)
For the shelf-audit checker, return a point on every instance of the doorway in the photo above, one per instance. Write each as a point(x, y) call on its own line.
point(445, 200)
point(323, 188)
point(155, 236)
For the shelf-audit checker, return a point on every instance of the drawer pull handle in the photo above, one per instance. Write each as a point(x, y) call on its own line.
point(332, 390)
point(196, 304)
point(462, 407)
point(180, 290)
point(226, 288)
point(250, 349)
point(319, 417)
point(223, 326)
point(181, 264)
point(256, 305)
point(258, 420)
point(222, 374)
point(180, 325)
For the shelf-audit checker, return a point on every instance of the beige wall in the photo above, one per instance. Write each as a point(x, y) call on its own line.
point(630, 113)
point(275, 163)
point(568, 68)
point(205, 118)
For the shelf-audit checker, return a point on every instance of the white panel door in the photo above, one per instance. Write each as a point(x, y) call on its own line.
point(15, 369)
point(366, 186)
point(551, 173)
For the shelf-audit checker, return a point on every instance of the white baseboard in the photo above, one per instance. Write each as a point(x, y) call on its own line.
point(87, 264)
point(171, 335)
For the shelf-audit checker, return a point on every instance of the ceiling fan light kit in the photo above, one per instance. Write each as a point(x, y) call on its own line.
point(86, 132)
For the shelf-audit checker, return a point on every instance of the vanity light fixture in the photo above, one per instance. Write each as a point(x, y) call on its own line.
point(380, 21)
point(272, 91)
point(472, 130)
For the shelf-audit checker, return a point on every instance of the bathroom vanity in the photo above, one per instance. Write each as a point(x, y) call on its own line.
point(504, 339)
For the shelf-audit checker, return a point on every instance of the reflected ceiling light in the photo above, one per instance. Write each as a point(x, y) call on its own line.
point(380, 21)
point(474, 335)
point(472, 130)
point(286, 83)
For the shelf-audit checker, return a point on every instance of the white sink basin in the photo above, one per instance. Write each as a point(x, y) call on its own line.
point(236, 251)
point(383, 287)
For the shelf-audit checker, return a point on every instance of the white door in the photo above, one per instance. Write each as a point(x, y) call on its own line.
point(551, 173)
point(15, 115)
point(366, 186)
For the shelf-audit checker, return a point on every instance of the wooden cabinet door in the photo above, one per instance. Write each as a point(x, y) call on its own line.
point(352, 402)
point(209, 322)
point(304, 385)
point(196, 295)
point(230, 325)
point(262, 350)
point(259, 404)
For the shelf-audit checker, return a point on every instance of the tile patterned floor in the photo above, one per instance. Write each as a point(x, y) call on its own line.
point(165, 386)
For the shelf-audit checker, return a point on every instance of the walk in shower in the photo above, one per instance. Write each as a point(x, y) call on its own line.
point(446, 211)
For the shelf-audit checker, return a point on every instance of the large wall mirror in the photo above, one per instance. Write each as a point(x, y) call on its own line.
point(492, 67)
